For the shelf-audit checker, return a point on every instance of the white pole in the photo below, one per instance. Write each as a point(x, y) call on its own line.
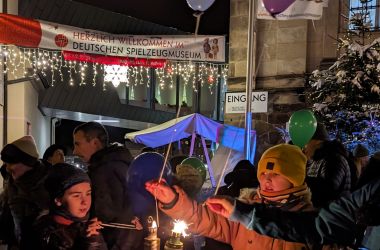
point(250, 76)
point(209, 167)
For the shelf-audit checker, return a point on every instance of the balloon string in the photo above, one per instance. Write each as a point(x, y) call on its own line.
point(157, 217)
point(315, 29)
point(170, 145)
point(223, 171)
point(198, 16)
point(226, 163)
point(163, 166)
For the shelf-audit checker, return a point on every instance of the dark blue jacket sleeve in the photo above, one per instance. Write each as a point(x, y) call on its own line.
point(337, 223)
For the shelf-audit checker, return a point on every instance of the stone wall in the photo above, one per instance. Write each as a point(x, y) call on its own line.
point(286, 51)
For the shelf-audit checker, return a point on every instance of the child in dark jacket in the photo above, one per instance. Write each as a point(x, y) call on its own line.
point(67, 225)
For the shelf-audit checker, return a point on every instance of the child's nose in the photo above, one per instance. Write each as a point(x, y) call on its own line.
point(268, 176)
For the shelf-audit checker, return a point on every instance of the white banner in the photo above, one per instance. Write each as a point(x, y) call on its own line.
point(35, 33)
point(236, 102)
point(290, 9)
point(200, 48)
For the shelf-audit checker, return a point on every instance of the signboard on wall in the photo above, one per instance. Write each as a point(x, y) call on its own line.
point(236, 102)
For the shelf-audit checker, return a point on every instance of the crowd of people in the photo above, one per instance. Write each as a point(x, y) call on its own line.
point(318, 197)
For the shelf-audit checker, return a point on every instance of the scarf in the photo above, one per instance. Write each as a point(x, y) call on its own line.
point(292, 199)
point(62, 211)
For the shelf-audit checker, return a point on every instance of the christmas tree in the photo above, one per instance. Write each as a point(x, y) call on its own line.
point(346, 96)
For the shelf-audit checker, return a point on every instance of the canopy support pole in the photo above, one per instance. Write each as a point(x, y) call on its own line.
point(192, 144)
point(209, 167)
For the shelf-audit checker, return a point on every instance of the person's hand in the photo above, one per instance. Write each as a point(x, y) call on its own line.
point(93, 227)
point(223, 205)
point(161, 190)
point(137, 223)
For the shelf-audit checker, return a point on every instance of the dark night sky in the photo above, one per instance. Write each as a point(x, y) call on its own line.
point(171, 13)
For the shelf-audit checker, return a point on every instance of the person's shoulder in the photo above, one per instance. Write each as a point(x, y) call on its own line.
point(118, 152)
point(111, 153)
point(112, 158)
point(45, 225)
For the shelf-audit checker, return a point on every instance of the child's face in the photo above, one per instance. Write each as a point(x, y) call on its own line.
point(57, 157)
point(76, 199)
point(272, 182)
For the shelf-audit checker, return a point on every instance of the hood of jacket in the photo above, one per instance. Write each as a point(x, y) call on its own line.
point(114, 152)
point(32, 179)
point(330, 149)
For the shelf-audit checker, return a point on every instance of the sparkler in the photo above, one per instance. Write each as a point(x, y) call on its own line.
point(174, 241)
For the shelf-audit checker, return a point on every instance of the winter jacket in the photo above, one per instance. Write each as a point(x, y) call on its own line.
point(25, 198)
point(52, 235)
point(108, 173)
point(328, 174)
point(370, 172)
point(342, 222)
point(202, 221)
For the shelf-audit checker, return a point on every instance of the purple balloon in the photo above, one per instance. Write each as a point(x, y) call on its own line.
point(275, 7)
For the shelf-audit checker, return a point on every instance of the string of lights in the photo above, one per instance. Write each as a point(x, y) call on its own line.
point(53, 66)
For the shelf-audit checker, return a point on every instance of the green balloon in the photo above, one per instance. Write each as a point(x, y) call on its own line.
point(197, 164)
point(302, 126)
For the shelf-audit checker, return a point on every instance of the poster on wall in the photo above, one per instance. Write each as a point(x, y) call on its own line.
point(290, 9)
point(41, 34)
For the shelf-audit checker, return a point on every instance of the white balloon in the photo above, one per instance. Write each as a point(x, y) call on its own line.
point(200, 5)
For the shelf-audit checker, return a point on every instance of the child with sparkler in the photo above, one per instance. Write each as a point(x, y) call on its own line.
point(281, 173)
point(67, 226)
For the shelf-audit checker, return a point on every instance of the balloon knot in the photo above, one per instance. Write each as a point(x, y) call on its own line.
point(198, 13)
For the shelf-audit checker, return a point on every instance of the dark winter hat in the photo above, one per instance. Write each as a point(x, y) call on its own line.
point(321, 133)
point(376, 156)
point(50, 151)
point(360, 151)
point(176, 160)
point(61, 177)
point(242, 168)
point(23, 150)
